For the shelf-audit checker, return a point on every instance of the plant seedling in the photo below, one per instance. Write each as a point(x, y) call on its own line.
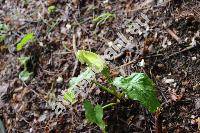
point(51, 9)
point(94, 114)
point(28, 37)
point(137, 86)
point(25, 74)
point(103, 18)
point(3, 31)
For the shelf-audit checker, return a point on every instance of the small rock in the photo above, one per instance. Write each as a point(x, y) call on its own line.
point(168, 81)
point(51, 2)
point(63, 30)
point(197, 103)
point(68, 26)
point(196, 87)
point(161, 65)
point(59, 80)
point(42, 117)
point(192, 116)
point(110, 43)
point(142, 63)
point(194, 58)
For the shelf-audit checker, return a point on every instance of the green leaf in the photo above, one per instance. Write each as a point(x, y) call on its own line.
point(2, 38)
point(3, 31)
point(106, 73)
point(86, 75)
point(94, 114)
point(2, 128)
point(23, 60)
point(94, 61)
point(74, 82)
point(25, 75)
point(51, 9)
point(101, 19)
point(70, 96)
point(25, 40)
point(139, 87)
point(3, 28)
point(99, 116)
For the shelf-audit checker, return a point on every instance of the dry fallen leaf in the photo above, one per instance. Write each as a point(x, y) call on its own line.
point(174, 96)
point(3, 90)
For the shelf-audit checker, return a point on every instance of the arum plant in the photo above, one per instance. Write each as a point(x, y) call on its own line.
point(137, 86)
point(3, 31)
point(27, 38)
point(25, 74)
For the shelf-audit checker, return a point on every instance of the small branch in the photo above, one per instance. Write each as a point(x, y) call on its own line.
point(178, 39)
point(108, 105)
point(75, 50)
point(184, 50)
point(103, 87)
point(107, 89)
point(158, 121)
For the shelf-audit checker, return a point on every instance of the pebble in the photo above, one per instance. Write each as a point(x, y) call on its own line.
point(59, 80)
point(168, 81)
point(194, 58)
point(197, 103)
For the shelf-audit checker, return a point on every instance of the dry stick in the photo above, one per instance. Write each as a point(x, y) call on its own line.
point(184, 50)
point(131, 62)
point(178, 39)
point(158, 121)
point(34, 91)
point(75, 50)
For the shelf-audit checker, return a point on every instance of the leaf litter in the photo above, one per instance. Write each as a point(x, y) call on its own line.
point(26, 110)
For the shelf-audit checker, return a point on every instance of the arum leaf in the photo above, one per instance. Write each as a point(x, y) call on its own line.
point(139, 87)
point(101, 19)
point(3, 30)
point(94, 114)
point(75, 81)
point(2, 38)
point(86, 75)
point(23, 60)
point(25, 40)
point(70, 96)
point(2, 128)
point(51, 9)
point(94, 61)
point(25, 75)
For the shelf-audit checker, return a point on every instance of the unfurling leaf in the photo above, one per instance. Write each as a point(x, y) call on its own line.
point(94, 61)
point(139, 87)
point(70, 96)
point(25, 75)
point(3, 31)
point(25, 40)
point(86, 75)
point(101, 19)
point(94, 114)
point(23, 60)
point(76, 81)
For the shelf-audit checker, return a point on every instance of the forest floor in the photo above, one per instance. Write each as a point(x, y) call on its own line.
point(168, 52)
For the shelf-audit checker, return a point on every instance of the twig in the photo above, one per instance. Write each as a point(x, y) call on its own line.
point(178, 39)
point(34, 92)
point(158, 121)
point(154, 55)
point(108, 105)
point(131, 62)
point(75, 51)
point(184, 50)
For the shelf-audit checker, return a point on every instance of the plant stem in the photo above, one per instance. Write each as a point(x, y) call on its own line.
point(108, 105)
point(106, 73)
point(103, 87)
point(107, 89)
